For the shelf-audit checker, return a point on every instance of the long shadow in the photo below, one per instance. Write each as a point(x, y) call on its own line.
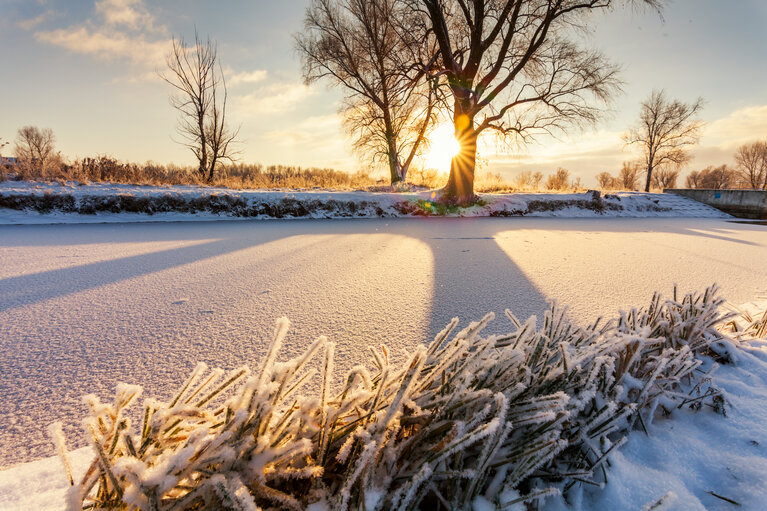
point(699, 227)
point(36, 287)
point(472, 275)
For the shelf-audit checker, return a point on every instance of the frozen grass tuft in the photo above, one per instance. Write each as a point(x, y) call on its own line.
point(468, 421)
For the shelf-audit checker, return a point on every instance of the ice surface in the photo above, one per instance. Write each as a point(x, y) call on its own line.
point(83, 307)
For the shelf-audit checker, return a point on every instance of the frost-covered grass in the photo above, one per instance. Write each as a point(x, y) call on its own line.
point(468, 421)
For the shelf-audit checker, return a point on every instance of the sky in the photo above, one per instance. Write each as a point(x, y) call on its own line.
point(89, 71)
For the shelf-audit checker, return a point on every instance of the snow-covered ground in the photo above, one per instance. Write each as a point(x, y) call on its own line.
point(682, 462)
point(23, 202)
point(85, 306)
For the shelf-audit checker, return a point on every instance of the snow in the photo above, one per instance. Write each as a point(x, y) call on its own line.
point(83, 307)
point(325, 204)
point(690, 455)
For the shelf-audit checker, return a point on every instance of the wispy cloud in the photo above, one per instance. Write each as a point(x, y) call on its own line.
point(245, 77)
point(741, 126)
point(321, 136)
point(313, 132)
point(272, 99)
point(125, 13)
point(32, 23)
point(118, 29)
point(108, 46)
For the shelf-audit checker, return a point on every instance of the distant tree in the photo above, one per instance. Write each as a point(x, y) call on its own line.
point(605, 180)
point(34, 147)
point(628, 177)
point(717, 178)
point(200, 98)
point(368, 47)
point(559, 180)
point(664, 178)
point(751, 160)
point(693, 179)
point(665, 131)
point(527, 180)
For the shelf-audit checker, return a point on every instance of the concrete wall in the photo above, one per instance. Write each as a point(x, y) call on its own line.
point(739, 203)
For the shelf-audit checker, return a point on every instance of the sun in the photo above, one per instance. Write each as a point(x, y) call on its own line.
point(442, 147)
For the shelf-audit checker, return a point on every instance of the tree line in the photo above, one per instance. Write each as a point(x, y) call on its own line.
point(749, 171)
point(509, 68)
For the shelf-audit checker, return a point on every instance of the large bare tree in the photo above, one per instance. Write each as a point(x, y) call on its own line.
point(511, 66)
point(34, 147)
point(200, 96)
point(752, 164)
point(666, 130)
point(368, 47)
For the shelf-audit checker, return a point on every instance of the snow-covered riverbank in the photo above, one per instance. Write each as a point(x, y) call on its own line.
point(32, 202)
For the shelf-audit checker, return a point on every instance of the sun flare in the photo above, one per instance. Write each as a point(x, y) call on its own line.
point(442, 147)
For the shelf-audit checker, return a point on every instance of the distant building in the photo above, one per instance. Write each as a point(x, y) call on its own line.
point(9, 161)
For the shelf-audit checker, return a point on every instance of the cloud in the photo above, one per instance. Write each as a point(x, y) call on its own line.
point(255, 76)
point(319, 139)
point(108, 46)
point(272, 99)
point(118, 29)
point(125, 13)
point(311, 133)
point(32, 23)
point(741, 126)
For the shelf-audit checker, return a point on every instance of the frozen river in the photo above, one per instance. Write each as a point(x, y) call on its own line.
point(83, 307)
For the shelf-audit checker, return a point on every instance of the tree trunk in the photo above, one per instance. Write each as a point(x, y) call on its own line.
point(649, 178)
point(460, 185)
point(391, 149)
point(394, 168)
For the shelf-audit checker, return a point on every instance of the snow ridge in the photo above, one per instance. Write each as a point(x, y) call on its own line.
point(31, 202)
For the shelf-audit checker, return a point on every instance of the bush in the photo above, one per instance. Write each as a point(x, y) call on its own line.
point(558, 180)
point(105, 168)
point(466, 420)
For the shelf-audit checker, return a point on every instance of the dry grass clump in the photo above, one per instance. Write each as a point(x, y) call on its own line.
point(107, 169)
point(467, 420)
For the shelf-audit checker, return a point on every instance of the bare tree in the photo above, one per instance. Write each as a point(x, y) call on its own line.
point(558, 180)
point(665, 131)
point(752, 164)
point(664, 178)
point(34, 147)
point(693, 180)
point(368, 47)
point(716, 178)
point(628, 177)
point(200, 97)
point(527, 180)
point(509, 67)
point(605, 180)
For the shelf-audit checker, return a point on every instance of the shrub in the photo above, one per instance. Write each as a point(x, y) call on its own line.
point(558, 180)
point(465, 420)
